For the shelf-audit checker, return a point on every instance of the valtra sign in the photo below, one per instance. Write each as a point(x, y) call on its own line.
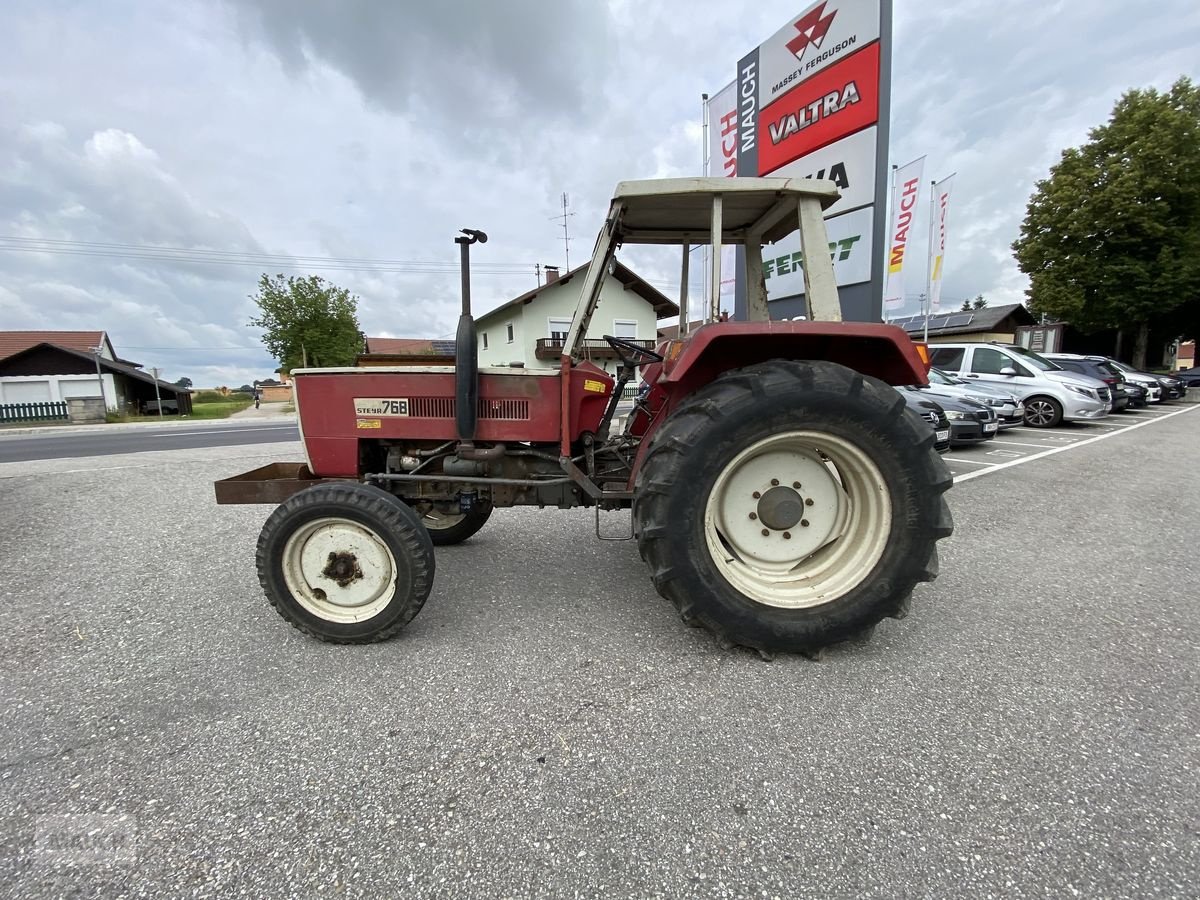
point(812, 101)
point(839, 101)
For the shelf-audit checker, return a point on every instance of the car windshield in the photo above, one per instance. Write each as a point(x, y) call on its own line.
point(1038, 362)
point(937, 376)
point(1122, 366)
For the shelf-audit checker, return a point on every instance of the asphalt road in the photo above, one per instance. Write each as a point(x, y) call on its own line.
point(53, 444)
point(547, 727)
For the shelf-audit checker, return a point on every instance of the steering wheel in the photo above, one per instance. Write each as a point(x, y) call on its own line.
point(635, 352)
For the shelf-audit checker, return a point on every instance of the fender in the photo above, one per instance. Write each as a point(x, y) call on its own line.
point(882, 351)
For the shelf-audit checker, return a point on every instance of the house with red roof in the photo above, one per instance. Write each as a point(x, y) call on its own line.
point(38, 367)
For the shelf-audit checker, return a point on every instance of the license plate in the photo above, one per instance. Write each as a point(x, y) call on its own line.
point(942, 435)
point(989, 426)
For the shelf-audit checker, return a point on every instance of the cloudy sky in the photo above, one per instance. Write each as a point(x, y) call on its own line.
point(348, 130)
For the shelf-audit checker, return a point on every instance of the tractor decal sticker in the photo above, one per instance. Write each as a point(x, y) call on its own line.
point(370, 423)
point(380, 406)
point(596, 387)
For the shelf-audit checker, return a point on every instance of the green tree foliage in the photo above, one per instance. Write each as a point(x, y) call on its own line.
point(1112, 238)
point(184, 382)
point(307, 321)
point(977, 303)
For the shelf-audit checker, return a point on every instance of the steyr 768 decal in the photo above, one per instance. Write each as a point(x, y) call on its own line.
point(380, 406)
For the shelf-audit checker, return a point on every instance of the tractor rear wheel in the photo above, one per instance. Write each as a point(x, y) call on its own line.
point(446, 529)
point(346, 563)
point(791, 505)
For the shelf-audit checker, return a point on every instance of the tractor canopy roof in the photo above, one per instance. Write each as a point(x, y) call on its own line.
point(680, 210)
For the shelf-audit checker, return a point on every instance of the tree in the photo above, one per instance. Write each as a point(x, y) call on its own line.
point(1112, 238)
point(307, 321)
point(184, 382)
point(977, 303)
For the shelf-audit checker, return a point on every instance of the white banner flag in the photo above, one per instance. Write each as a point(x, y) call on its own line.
point(937, 252)
point(905, 195)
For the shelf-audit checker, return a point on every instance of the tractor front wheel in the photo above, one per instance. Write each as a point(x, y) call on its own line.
point(791, 505)
point(346, 563)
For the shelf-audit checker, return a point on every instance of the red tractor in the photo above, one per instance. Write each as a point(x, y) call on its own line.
point(781, 493)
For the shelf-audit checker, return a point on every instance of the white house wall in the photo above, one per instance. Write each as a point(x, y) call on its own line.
point(54, 388)
point(532, 321)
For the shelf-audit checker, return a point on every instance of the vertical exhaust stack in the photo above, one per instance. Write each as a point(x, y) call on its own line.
point(466, 354)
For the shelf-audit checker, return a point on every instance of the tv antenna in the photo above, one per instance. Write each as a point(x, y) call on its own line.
point(566, 218)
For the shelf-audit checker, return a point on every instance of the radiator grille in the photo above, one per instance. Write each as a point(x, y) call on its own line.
point(443, 408)
point(431, 407)
point(504, 409)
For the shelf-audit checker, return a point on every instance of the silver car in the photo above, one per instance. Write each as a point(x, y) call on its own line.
point(1009, 409)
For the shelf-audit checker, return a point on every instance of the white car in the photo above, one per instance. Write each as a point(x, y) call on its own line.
point(1050, 394)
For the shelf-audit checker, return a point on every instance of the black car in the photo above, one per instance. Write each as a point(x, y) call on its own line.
point(932, 413)
point(970, 421)
point(1173, 388)
point(1189, 377)
point(1138, 395)
point(1099, 368)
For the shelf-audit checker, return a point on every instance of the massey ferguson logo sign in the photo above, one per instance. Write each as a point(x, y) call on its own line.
point(812, 26)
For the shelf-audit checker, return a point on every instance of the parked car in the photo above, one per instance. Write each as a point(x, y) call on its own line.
point(970, 422)
point(1190, 377)
point(1097, 367)
point(1139, 394)
point(1050, 394)
point(1009, 409)
point(932, 413)
point(1158, 391)
point(1173, 388)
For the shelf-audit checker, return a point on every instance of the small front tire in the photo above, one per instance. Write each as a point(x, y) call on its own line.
point(346, 563)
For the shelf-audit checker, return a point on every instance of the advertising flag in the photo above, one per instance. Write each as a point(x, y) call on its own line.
point(905, 196)
point(937, 251)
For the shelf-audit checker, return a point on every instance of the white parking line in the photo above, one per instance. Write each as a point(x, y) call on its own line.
point(1050, 452)
point(969, 462)
point(1016, 444)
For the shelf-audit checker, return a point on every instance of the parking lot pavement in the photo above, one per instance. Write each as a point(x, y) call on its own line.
point(1017, 446)
point(548, 727)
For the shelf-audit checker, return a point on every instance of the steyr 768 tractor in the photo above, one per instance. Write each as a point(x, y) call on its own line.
point(781, 493)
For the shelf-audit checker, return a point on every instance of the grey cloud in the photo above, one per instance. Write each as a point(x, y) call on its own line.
point(472, 65)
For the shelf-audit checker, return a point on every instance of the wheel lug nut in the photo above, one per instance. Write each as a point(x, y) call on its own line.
point(787, 535)
point(756, 495)
point(808, 501)
point(804, 523)
point(766, 532)
point(754, 515)
point(775, 482)
point(796, 485)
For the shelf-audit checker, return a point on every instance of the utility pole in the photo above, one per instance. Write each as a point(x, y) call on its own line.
point(157, 395)
point(566, 216)
point(100, 378)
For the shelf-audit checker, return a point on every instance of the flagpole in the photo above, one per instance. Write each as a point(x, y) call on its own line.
point(929, 260)
point(887, 247)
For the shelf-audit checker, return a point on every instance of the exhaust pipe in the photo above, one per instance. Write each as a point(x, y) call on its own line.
point(466, 351)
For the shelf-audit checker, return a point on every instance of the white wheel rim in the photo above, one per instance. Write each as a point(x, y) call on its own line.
point(844, 501)
point(339, 570)
point(437, 521)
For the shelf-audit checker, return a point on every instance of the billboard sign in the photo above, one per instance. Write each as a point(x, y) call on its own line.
point(813, 101)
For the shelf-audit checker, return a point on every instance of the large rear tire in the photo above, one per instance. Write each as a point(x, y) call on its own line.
point(346, 563)
point(791, 505)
